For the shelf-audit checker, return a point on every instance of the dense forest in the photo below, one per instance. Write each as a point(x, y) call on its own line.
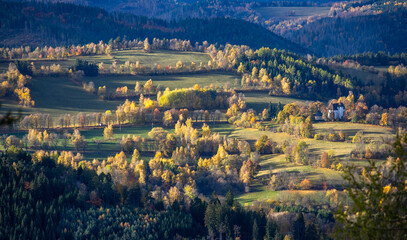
point(289, 74)
point(66, 24)
point(375, 58)
point(358, 33)
point(51, 200)
point(348, 27)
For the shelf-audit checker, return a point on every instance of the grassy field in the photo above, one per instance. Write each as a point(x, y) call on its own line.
point(360, 74)
point(317, 147)
point(382, 68)
point(316, 175)
point(263, 193)
point(350, 129)
point(292, 12)
point(59, 95)
point(108, 147)
point(162, 57)
point(171, 81)
point(65, 63)
point(260, 101)
point(111, 147)
point(277, 162)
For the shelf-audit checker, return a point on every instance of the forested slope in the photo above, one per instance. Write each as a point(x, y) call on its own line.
point(355, 34)
point(55, 24)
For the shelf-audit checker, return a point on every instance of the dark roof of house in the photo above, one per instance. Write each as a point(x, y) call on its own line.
point(335, 106)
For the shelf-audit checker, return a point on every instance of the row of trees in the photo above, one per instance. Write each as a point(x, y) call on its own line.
point(100, 48)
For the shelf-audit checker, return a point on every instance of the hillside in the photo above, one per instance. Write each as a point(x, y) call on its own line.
point(343, 35)
point(65, 24)
point(351, 27)
point(326, 28)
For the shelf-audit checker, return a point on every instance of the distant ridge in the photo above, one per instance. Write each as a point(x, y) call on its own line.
point(39, 24)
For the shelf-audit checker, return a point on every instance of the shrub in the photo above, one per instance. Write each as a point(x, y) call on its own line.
point(305, 184)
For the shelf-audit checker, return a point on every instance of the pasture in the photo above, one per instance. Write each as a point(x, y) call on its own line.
point(317, 147)
point(274, 163)
point(292, 12)
point(218, 79)
point(259, 101)
point(162, 57)
point(361, 74)
point(350, 129)
point(59, 95)
point(107, 147)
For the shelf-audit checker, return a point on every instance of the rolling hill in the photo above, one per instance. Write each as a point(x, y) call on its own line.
point(38, 24)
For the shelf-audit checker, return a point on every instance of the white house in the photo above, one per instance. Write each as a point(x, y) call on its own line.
point(336, 111)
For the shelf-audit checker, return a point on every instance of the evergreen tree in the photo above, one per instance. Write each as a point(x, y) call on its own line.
point(271, 229)
point(256, 231)
point(24, 67)
point(271, 111)
point(299, 227)
point(229, 198)
point(278, 236)
point(311, 233)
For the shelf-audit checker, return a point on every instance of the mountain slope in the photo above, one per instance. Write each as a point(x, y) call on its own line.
point(331, 36)
point(30, 23)
point(355, 27)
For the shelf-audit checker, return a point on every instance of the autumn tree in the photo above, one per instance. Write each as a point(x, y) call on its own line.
point(379, 197)
point(325, 163)
point(263, 145)
point(247, 172)
point(23, 95)
point(147, 46)
point(305, 184)
point(384, 120)
point(78, 141)
point(108, 132)
point(148, 86)
point(167, 119)
point(158, 133)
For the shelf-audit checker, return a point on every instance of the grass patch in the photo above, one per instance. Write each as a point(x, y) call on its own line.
point(141, 131)
point(162, 57)
point(292, 12)
point(257, 192)
point(260, 101)
point(219, 79)
point(317, 176)
point(263, 193)
point(59, 95)
point(341, 149)
point(277, 163)
point(370, 131)
point(360, 74)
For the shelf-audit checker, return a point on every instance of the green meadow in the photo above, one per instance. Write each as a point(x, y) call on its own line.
point(292, 12)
